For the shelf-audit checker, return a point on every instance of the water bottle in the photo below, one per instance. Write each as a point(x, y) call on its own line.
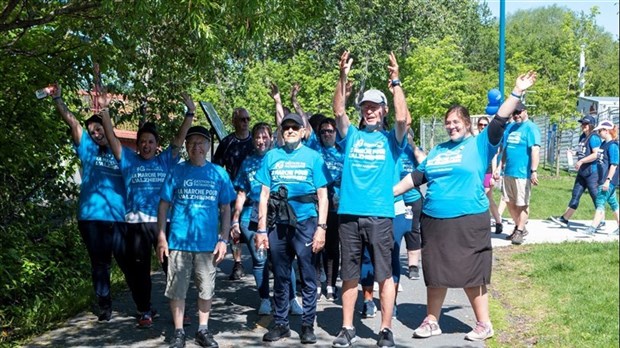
point(43, 92)
point(261, 254)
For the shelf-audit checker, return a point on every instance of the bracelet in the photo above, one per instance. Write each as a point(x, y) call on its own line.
point(515, 95)
point(261, 231)
point(608, 179)
point(56, 98)
point(189, 114)
point(234, 223)
point(533, 170)
point(225, 241)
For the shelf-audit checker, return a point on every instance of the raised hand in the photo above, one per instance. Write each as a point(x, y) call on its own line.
point(189, 102)
point(348, 88)
point(393, 67)
point(296, 88)
point(274, 92)
point(345, 64)
point(526, 81)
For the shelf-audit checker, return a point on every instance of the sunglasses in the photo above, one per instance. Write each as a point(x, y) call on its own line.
point(327, 131)
point(294, 127)
point(482, 124)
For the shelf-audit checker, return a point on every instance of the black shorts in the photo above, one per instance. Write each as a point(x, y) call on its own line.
point(374, 233)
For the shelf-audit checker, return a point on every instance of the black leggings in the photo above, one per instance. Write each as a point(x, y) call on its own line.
point(589, 181)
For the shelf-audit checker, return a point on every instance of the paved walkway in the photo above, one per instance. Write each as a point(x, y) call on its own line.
point(236, 324)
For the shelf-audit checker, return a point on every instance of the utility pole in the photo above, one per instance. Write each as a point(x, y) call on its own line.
point(502, 44)
point(582, 71)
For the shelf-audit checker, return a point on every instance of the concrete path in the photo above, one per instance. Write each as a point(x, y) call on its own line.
point(236, 323)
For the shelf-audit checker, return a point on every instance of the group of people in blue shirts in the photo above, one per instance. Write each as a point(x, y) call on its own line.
point(352, 191)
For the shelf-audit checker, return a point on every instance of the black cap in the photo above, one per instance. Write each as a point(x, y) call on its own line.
point(295, 118)
point(520, 107)
point(588, 120)
point(198, 130)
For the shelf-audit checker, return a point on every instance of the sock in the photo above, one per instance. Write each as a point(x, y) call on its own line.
point(349, 327)
point(330, 289)
point(203, 327)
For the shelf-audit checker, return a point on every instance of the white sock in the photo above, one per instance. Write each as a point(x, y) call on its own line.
point(330, 289)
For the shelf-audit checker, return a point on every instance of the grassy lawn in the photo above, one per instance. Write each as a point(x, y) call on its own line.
point(556, 295)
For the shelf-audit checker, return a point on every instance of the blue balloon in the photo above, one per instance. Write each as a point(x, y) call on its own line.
point(491, 109)
point(495, 97)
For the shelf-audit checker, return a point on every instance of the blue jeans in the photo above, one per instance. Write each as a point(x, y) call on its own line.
point(284, 244)
point(259, 267)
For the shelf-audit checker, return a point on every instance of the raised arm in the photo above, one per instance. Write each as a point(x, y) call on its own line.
point(67, 116)
point(523, 82)
point(113, 142)
point(177, 142)
point(274, 93)
point(298, 109)
point(400, 103)
point(339, 103)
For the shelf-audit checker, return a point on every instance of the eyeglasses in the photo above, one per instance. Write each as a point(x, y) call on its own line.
point(244, 119)
point(327, 131)
point(482, 125)
point(294, 127)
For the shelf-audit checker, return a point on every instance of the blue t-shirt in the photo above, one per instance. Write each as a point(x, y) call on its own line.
point(313, 142)
point(584, 149)
point(519, 138)
point(406, 165)
point(195, 194)
point(246, 182)
point(607, 155)
point(143, 180)
point(102, 192)
point(368, 172)
point(302, 171)
point(455, 174)
point(334, 160)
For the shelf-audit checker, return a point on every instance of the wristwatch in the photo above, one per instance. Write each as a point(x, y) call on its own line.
point(395, 82)
point(323, 226)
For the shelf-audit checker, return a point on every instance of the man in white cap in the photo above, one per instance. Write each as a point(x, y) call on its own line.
point(367, 203)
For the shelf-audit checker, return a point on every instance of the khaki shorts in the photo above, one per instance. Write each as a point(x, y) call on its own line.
point(180, 267)
point(516, 191)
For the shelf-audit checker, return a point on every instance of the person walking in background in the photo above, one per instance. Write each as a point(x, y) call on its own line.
point(292, 216)
point(143, 174)
point(489, 182)
point(587, 173)
point(521, 145)
point(198, 195)
point(607, 168)
point(456, 243)
point(366, 202)
point(230, 153)
point(101, 206)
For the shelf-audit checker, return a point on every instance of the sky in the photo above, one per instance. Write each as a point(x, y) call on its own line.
point(608, 17)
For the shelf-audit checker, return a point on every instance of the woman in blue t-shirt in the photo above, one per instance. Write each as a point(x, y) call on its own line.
point(143, 174)
point(101, 209)
point(456, 241)
point(607, 164)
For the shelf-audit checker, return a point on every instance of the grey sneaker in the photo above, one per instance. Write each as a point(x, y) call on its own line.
point(427, 329)
point(386, 339)
point(345, 338)
point(481, 332)
point(560, 220)
point(414, 272)
point(601, 225)
point(369, 309)
point(590, 231)
point(518, 239)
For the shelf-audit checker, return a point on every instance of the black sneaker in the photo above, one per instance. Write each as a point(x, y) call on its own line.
point(499, 228)
point(512, 235)
point(178, 340)
point(204, 338)
point(277, 332)
point(237, 271)
point(307, 334)
point(386, 339)
point(560, 220)
point(414, 272)
point(105, 314)
point(345, 338)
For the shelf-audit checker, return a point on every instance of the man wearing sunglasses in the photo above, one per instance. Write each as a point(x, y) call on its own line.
point(230, 153)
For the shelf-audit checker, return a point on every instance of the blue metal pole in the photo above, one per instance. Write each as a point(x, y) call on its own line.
point(502, 44)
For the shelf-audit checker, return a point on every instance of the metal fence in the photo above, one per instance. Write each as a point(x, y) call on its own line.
point(432, 132)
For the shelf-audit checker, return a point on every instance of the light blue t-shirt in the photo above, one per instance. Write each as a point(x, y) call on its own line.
point(102, 192)
point(302, 171)
point(246, 182)
point(313, 142)
point(367, 176)
point(519, 138)
point(334, 160)
point(143, 180)
point(455, 174)
point(406, 165)
point(195, 194)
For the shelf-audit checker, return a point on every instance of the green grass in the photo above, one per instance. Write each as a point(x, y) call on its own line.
point(551, 197)
point(556, 295)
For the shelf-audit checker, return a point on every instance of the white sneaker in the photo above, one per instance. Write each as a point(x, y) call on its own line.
point(265, 307)
point(295, 308)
